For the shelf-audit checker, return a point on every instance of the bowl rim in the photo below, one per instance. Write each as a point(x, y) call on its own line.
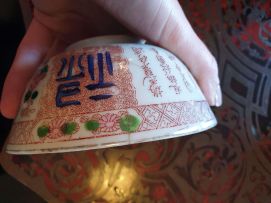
point(105, 40)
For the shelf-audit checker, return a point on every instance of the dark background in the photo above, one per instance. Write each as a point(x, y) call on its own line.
point(12, 30)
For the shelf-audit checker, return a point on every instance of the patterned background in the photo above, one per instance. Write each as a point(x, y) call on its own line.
point(228, 164)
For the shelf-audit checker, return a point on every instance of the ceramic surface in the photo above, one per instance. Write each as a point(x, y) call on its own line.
point(97, 95)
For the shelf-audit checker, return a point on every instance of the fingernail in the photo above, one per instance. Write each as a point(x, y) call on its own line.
point(218, 96)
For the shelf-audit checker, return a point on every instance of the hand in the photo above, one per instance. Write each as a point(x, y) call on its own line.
point(58, 23)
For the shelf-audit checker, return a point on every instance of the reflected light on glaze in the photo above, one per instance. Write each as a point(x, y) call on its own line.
point(117, 183)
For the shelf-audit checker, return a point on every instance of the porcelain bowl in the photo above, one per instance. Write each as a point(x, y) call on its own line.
point(104, 92)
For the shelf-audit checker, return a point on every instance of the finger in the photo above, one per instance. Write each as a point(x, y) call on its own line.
point(57, 47)
point(164, 23)
point(30, 54)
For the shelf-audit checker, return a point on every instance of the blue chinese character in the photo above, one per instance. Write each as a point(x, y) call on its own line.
point(65, 90)
point(101, 83)
point(70, 74)
point(70, 88)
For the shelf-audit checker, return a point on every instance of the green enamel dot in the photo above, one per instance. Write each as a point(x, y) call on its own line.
point(44, 69)
point(92, 125)
point(42, 131)
point(68, 128)
point(27, 95)
point(34, 95)
point(129, 123)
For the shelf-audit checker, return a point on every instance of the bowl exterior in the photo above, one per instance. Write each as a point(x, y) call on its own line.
point(103, 96)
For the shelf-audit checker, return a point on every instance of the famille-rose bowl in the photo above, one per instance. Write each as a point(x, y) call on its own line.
point(104, 92)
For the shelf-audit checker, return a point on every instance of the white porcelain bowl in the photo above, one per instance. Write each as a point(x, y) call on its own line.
point(104, 92)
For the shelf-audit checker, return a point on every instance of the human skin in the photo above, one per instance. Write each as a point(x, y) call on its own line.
point(61, 22)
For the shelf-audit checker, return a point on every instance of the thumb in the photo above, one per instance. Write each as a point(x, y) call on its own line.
point(164, 23)
point(31, 52)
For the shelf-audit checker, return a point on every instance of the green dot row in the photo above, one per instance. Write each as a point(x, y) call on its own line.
point(128, 123)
